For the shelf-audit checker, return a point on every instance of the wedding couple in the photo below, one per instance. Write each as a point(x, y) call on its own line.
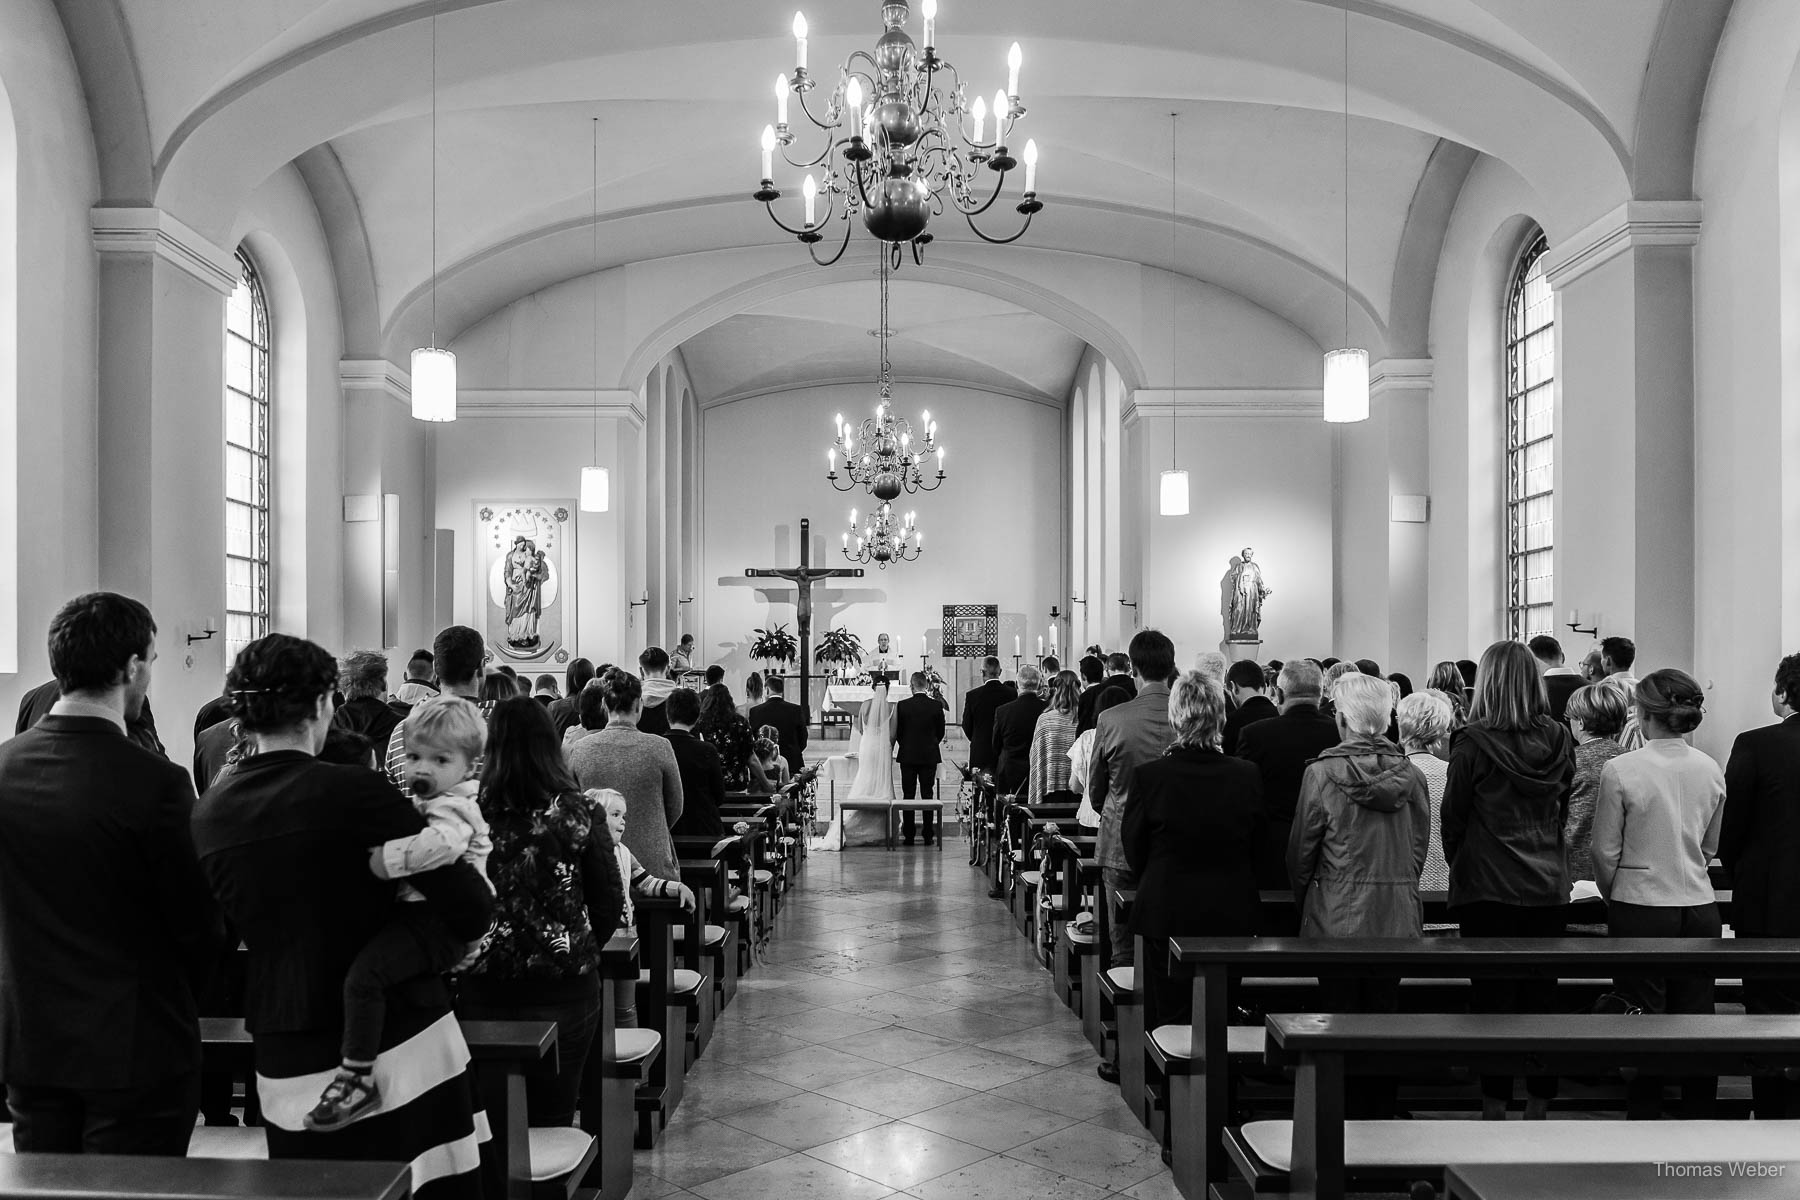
point(910, 731)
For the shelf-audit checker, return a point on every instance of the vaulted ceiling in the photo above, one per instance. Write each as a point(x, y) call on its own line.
point(197, 101)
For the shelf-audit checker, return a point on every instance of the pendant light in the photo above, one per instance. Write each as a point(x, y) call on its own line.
point(596, 483)
point(1347, 370)
point(1174, 480)
point(433, 370)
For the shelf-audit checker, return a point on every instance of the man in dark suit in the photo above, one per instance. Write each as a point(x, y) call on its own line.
point(1014, 723)
point(107, 927)
point(1560, 681)
point(789, 721)
point(1759, 844)
point(1281, 748)
point(918, 732)
point(702, 770)
point(1093, 669)
point(1118, 674)
point(36, 704)
point(979, 707)
point(1245, 685)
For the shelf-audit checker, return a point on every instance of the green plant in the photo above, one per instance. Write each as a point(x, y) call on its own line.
point(839, 648)
point(775, 645)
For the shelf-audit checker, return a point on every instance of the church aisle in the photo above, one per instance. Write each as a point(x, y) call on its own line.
point(899, 1042)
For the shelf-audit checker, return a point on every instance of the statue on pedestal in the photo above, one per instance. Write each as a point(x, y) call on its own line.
point(1246, 592)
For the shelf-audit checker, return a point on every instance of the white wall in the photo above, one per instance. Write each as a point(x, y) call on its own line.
point(54, 501)
point(1747, 368)
point(991, 532)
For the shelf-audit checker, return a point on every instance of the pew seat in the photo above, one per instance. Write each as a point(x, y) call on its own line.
point(137, 1177)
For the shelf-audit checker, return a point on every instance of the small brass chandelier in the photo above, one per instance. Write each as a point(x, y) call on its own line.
point(901, 145)
point(883, 538)
point(881, 456)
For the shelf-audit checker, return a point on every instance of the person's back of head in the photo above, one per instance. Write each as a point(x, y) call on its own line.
point(457, 653)
point(544, 685)
point(1369, 666)
point(716, 703)
point(918, 682)
point(496, 686)
point(363, 673)
point(1211, 664)
point(653, 663)
point(1196, 711)
point(1152, 656)
point(1425, 718)
point(576, 676)
point(1546, 650)
point(1244, 674)
point(1509, 689)
point(508, 671)
point(1334, 673)
point(1300, 681)
point(1118, 663)
point(1445, 678)
point(715, 675)
point(1402, 682)
point(1469, 672)
point(1601, 709)
point(775, 686)
point(525, 765)
point(1029, 679)
point(1092, 669)
point(1672, 699)
point(101, 641)
point(1050, 666)
point(682, 707)
point(753, 688)
point(620, 692)
point(590, 706)
point(1065, 692)
point(1787, 686)
point(346, 749)
point(1618, 653)
point(990, 667)
point(419, 666)
point(1325, 664)
point(1364, 704)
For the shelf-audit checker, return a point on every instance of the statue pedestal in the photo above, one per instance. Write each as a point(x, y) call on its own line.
point(1241, 651)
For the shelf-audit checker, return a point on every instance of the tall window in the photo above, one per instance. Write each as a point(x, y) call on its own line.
point(1530, 447)
point(246, 462)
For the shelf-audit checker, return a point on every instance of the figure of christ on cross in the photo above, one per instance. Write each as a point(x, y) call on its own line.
point(803, 577)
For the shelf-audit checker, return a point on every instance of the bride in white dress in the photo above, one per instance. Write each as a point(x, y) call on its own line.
point(872, 736)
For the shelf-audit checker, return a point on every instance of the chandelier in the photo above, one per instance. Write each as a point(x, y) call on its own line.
point(883, 538)
point(914, 149)
point(888, 462)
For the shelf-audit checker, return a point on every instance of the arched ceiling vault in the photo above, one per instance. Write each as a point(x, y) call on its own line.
point(195, 103)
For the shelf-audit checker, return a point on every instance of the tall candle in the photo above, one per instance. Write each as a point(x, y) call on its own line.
point(924, 646)
point(1053, 639)
point(1016, 650)
point(1040, 645)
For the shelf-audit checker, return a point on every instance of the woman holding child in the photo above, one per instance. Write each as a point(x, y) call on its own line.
point(292, 846)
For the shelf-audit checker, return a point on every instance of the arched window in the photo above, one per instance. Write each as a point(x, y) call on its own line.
point(246, 462)
point(1530, 446)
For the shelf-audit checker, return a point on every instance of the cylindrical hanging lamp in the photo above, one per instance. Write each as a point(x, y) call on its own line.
point(596, 489)
point(433, 384)
point(1347, 385)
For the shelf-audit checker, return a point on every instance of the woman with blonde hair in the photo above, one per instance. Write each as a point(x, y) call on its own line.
point(1505, 800)
point(1446, 678)
point(1426, 721)
point(1596, 714)
point(1048, 781)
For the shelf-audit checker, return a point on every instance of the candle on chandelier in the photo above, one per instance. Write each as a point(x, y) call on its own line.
point(831, 458)
point(853, 96)
point(1031, 156)
point(940, 454)
point(768, 151)
point(930, 11)
point(1014, 58)
point(1001, 111)
point(781, 99)
point(800, 40)
point(979, 112)
point(810, 190)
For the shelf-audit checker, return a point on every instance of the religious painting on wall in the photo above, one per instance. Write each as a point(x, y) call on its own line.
point(526, 584)
point(971, 630)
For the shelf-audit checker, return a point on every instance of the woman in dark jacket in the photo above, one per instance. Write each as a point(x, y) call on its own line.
point(285, 841)
point(1506, 797)
point(559, 898)
point(1191, 832)
point(722, 727)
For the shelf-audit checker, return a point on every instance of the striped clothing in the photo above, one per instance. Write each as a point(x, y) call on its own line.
point(394, 761)
point(1050, 745)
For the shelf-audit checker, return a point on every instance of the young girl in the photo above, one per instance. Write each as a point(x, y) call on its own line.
point(638, 882)
point(768, 756)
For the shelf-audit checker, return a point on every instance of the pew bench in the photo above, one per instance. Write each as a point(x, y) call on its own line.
point(1705, 1178)
point(137, 1177)
point(1319, 1153)
point(883, 807)
point(1219, 966)
point(710, 879)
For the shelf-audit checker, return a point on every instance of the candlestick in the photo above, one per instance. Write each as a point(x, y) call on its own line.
point(1040, 645)
point(1017, 653)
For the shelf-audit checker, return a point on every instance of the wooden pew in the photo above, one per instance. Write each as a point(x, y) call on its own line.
point(136, 1177)
point(659, 1010)
point(1326, 1048)
point(710, 879)
point(1218, 965)
point(626, 1057)
point(738, 853)
point(1623, 1181)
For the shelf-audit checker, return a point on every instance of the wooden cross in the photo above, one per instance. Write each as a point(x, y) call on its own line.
point(803, 577)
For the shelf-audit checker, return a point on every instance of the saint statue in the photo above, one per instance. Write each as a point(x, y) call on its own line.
point(525, 573)
point(1247, 591)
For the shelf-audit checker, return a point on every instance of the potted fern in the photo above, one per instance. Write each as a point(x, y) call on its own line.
point(840, 649)
point(776, 646)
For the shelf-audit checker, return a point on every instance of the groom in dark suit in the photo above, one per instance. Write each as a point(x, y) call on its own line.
point(789, 721)
point(979, 707)
point(918, 732)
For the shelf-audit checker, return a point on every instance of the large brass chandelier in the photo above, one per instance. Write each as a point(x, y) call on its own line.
point(881, 457)
point(884, 537)
point(901, 144)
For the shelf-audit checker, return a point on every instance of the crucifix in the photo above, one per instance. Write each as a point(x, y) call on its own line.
point(803, 577)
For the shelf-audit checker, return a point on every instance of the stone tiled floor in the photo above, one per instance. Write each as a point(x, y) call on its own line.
point(899, 1042)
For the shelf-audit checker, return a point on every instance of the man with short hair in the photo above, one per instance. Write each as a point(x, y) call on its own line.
point(789, 720)
point(1560, 681)
point(457, 652)
point(1247, 690)
point(1281, 748)
point(1616, 656)
point(1050, 667)
point(362, 677)
point(683, 658)
point(1118, 674)
point(1593, 669)
point(979, 707)
point(918, 732)
point(1014, 723)
point(653, 669)
point(108, 930)
point(1127, 736)
point(418, 686)
point(1091, 668)
point(702, 769)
